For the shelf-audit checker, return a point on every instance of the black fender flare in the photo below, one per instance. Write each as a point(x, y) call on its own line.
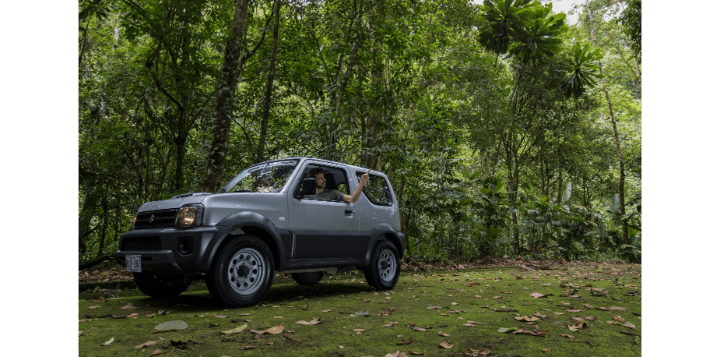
point(385, 231)
point(248, 223)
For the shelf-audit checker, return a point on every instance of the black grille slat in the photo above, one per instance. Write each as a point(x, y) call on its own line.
point(160, 219)
point(141, 243)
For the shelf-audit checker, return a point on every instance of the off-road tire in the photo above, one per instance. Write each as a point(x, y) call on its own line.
point(384, 269)
point(308, 278)
point(242, 272)
point(160, 286)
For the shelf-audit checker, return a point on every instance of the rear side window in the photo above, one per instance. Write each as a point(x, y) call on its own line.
point(377, 189)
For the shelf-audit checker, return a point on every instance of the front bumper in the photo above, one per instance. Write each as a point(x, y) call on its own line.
point(158, 249)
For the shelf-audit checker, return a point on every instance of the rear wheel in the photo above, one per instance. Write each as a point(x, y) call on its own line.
point(160, 286)
point(308, 278)
point(384, 270)
point(242, 273)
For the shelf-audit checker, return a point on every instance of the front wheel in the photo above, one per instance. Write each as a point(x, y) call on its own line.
point(384, 270)
point(160, 286)
point(243, 272)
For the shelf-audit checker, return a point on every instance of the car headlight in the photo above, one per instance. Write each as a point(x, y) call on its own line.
point(189, 216)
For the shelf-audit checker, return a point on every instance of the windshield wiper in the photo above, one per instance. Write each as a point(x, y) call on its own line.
point(244, 191)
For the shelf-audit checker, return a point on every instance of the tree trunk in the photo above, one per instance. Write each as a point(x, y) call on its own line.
point(269, 87)
point(351, 64)
point(226, 86)
point(179, 156)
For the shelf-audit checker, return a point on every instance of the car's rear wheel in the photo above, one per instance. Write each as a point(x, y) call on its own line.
point(384, 269)
point(242, 272)
point(308, 278)
point(160, 286)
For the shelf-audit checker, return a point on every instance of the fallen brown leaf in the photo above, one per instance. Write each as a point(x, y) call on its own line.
point(161, 331)
point(537, 295)
point(446, 344)
point(156, 352)
point(618, 318)
point(568, 336)
point(416, 353)
point(358, 331)
point(578, 326)
point(528, 332)
point(419, 329)
point(405, 342)
point(134, 315)
point(129, 306)
point(443, 334)
point(630, 325)
point(146, 344)
point(525, 318)
point(313, 321)
point(273, 330)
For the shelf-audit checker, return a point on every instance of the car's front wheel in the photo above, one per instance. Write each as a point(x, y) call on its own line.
point(307, 278)
point(384, 269)
point(243, 272)
point(160, 286)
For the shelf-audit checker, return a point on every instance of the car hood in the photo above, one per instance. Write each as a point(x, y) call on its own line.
point(174, 202)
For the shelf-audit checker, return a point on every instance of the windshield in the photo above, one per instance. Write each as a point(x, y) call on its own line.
point(265, 177)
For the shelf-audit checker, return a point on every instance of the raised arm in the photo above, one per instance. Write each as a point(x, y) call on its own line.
point(354, 197)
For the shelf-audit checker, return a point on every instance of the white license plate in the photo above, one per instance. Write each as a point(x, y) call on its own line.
point(132, 263)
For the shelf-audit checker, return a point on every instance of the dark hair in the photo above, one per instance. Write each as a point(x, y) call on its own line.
point(316, 171)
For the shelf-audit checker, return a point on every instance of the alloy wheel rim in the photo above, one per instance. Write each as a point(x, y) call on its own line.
point(246, 271)
point(387, 273)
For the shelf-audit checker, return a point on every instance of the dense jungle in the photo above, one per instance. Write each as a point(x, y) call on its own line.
point(504, 129)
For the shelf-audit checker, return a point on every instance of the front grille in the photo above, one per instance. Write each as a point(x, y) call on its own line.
point(156, 219)
point(140, 243)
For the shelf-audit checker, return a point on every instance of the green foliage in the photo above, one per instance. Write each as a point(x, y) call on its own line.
point(583, 70)
point(631, 18)
point(479, 149)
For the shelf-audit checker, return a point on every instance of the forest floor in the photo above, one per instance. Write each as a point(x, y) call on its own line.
point(521, 309)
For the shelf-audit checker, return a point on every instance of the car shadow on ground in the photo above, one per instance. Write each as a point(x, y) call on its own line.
point(280, 292)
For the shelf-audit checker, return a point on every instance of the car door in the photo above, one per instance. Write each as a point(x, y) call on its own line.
point(322, 229)
point(375, 205)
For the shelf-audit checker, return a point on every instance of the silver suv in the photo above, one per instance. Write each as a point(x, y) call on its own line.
point(296, 215)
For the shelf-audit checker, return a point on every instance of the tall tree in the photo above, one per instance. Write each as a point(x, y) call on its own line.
point(591, 18)
point(226, 87)
point(269, 87)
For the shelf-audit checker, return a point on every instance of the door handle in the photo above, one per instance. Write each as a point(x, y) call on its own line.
point(349, 212)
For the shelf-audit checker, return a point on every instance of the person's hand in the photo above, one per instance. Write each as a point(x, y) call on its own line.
point(365, 177)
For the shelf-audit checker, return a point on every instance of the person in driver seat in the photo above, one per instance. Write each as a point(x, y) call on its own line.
point(321, 193)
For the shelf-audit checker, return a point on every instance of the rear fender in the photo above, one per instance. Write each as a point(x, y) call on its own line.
point(379, 232)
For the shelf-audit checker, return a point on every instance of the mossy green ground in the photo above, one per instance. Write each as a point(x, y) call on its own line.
point(606, 286)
